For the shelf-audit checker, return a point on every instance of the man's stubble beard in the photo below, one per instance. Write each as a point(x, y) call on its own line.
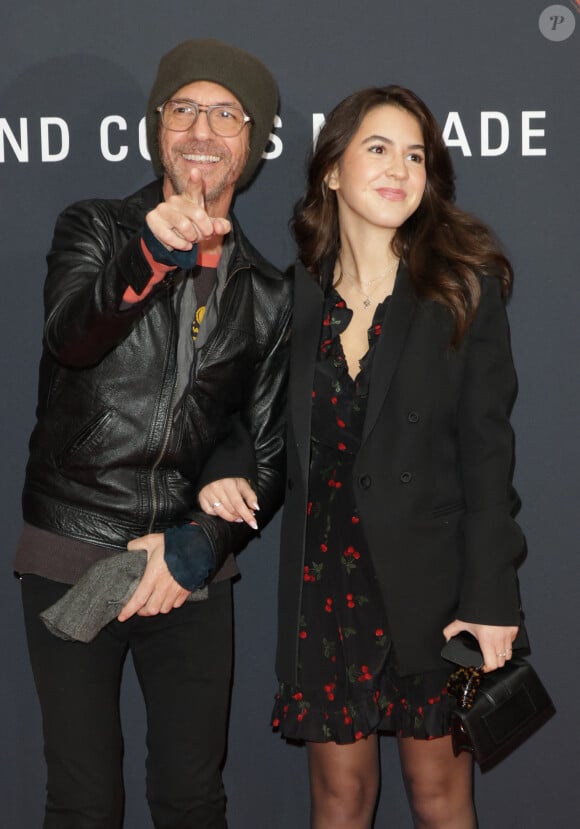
point(212, 196)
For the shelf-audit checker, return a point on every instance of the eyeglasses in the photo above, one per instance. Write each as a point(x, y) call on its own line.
point(226, 120)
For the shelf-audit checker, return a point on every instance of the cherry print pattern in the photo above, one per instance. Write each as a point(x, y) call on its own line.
point(348, 686)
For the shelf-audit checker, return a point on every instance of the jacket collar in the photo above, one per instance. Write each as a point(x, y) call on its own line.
point(136, 206)
point(245, 255)
point(396, 324)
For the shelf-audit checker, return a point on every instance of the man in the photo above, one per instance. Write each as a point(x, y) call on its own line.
point(165, 331)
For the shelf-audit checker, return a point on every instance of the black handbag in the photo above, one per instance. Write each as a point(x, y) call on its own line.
point(497, 711)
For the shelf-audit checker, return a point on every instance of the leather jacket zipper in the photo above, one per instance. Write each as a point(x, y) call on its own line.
point(168, 422)
point(168, 426)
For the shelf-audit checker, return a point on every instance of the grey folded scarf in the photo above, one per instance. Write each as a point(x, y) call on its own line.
point(99, 596)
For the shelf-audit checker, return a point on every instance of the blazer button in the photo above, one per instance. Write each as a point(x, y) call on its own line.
point(289, 483)
point(365, 481)
point(405, 477)
point(413, 417)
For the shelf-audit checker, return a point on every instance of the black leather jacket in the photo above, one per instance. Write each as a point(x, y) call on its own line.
point(113, 454)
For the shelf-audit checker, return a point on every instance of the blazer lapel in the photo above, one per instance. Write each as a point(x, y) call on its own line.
point(398, 317)
point(307, 320)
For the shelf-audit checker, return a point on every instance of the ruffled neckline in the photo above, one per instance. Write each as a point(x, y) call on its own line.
point(336, 318)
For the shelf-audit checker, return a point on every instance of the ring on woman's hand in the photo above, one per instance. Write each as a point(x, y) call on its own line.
point(501, 654)
point(216, 504)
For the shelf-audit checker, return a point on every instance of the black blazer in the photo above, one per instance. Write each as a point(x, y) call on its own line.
point(432, 478)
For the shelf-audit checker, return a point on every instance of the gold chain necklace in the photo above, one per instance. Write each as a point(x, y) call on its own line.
point(367, 301)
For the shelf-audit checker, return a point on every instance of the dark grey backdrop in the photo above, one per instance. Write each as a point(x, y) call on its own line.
point(81, 62)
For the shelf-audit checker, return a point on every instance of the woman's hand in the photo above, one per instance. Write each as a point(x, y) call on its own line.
point(494, 641)
point(232, 499)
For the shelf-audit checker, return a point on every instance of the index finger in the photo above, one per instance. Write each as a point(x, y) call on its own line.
point(194, 190)
point(135, 603)
point(247, 492)
point(237, 507)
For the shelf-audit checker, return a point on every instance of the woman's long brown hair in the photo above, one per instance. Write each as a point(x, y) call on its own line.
point(445, 249)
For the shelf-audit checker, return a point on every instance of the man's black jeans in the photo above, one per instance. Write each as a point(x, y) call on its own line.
point(183, 662)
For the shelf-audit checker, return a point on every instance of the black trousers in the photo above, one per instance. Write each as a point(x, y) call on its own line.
point(183, 662)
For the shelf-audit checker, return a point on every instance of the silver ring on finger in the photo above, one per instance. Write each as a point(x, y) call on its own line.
point(216, 504)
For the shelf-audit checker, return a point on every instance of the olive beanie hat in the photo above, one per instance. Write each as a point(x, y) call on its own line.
point(236, 70)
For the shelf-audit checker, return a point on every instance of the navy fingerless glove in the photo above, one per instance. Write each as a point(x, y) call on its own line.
point(184, 259)
point(188, 555)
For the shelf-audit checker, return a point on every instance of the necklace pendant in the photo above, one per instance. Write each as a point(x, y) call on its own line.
point(366, 302)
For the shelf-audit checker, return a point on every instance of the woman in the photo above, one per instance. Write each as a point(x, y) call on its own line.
point(397, 529)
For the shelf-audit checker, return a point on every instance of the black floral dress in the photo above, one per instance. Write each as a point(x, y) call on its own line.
point(348, 687)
